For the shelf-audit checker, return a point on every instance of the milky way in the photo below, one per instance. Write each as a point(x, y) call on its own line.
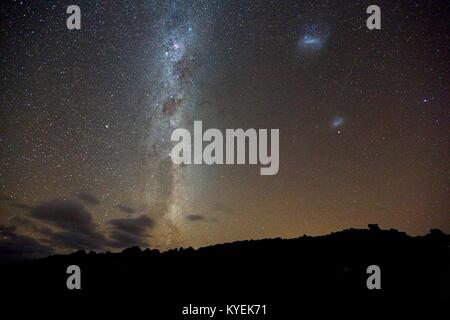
point(171, 105)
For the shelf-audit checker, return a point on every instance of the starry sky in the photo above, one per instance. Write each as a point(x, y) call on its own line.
point(87, 115)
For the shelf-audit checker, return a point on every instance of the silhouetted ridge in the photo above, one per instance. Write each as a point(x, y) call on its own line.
point(325, 268)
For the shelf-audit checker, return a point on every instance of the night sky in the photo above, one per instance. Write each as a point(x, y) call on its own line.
point(87, 115)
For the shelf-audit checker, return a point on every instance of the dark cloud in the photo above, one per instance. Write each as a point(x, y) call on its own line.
point(195, 217)
point(7, 230)
point(77, 229)
point(130, 232)
point(14, 247)
point(126, 209)
point(133, 225)
point(42, 229)
point(79, 240)
point(87, 198)
point(20, 221)
point(65, 214)
point(68, 225)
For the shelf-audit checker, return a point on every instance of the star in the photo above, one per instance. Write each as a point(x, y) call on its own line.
point(427, 100)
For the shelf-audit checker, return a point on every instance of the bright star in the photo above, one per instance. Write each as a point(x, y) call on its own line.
point(427, 100)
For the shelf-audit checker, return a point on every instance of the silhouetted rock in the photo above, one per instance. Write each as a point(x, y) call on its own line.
point(79, 253)
point(133, 251)
point(437, 235)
